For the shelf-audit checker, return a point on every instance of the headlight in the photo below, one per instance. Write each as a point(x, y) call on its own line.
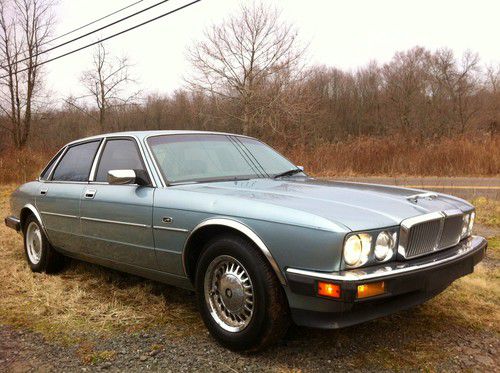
point(471, 223)
point(367, 248)
point(384, 246)
point(357, 249)
point(465, 225)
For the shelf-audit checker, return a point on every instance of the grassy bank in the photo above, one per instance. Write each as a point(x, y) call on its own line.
point(397, 155)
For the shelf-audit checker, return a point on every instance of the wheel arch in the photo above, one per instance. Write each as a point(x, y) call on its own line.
point(215, 226)
point(27, 210)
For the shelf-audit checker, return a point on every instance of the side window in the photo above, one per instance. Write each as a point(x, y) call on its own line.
point(118, 155)
point(48, 169)
point(76, 163)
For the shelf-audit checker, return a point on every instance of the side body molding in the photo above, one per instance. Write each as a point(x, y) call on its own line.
point(244, 230)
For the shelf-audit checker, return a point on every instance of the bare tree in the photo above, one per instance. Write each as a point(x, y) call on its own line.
point(106, 83)
point(25, 26)
point(460, 81)
point(244, 59)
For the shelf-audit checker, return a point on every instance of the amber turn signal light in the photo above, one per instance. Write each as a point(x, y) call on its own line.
point(328, 289)
point(371, 290)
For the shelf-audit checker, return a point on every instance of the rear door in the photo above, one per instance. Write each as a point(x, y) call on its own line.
point(117, 219)
point(58, 199)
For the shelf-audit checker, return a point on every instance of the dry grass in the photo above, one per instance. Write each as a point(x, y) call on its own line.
point(87, 302)
point(395, 156)
point(84, 297)
point(488, 211)
point(21, 166)
point(399, 155)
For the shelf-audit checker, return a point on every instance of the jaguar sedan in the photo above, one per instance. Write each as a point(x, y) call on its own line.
point(260, 242)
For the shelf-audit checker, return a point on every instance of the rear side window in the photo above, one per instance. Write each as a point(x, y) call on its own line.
point(48, 169)
point(118, 155)
point(76, 163)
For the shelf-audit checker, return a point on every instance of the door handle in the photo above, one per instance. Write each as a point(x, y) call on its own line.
point(90, 193)
point(44, 191)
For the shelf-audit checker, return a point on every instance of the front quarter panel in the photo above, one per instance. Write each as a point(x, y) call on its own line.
point(291, 245)
point(300, 247)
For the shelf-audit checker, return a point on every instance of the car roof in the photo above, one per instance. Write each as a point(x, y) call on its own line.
point(143, 134)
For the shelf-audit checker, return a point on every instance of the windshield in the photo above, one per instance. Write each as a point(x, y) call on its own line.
point(207, 157)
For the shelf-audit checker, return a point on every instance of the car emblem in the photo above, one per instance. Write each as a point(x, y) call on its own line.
point(428, 196)
point(167, 219)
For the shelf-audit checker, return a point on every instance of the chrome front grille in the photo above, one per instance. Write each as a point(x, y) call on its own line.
point(425, 234)
point(452, 230)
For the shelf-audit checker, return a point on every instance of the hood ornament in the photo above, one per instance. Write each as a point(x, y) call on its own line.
point(428, 196)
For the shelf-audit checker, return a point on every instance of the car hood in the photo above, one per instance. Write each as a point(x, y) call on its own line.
point(355, 206)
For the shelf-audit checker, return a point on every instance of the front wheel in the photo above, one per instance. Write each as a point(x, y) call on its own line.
point(241, 301)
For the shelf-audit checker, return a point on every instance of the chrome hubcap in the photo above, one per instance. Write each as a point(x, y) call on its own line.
point(229, 293)
point(34, 242)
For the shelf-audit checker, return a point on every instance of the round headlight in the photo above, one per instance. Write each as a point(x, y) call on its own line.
point(465, 225)
point(383, 246)
point(353, 249)
point(471, 222)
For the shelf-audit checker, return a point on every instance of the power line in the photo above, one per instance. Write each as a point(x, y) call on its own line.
point(87, 24)
point(91, 23)
point(109, 37)
point(91, 32)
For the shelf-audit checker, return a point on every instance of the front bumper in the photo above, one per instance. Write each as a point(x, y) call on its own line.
point(406, 284)
point(13, 222)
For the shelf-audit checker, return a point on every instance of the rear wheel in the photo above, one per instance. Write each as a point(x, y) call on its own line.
point(241, 301)
point(40, 255)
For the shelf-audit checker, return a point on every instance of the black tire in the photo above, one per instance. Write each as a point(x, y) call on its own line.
point(50, 261)
point(271, 316)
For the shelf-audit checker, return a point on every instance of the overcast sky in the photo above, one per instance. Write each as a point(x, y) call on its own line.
point(344, 34)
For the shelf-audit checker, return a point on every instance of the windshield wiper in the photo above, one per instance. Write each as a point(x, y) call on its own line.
point(288, 173)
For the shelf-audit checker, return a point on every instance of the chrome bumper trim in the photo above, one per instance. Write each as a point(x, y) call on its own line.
point(464, 248)
point(13, 222)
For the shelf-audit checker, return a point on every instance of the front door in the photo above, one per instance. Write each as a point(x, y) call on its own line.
point(116, 220)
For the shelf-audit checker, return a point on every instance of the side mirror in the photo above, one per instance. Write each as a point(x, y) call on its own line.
point(301, 168)
point(121, 177)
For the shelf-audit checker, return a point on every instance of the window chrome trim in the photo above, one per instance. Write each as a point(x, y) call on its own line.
point(97, 158)
point(390, 269)
point(171, 229)
point(115, 222)
point(49, 176)
point(60, 215)
point(55, 158)
point(153, 159)
point(67, 146)
point(244, 230)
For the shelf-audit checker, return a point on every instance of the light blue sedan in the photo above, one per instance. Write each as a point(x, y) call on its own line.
point(259, 241)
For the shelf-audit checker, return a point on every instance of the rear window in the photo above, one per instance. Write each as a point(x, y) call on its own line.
point(76, 163)
point(48, 169)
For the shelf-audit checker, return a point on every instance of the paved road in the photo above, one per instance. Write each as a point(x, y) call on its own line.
point(464, 187)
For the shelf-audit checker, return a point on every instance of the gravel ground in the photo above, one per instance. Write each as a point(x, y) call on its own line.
point(302, 349)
